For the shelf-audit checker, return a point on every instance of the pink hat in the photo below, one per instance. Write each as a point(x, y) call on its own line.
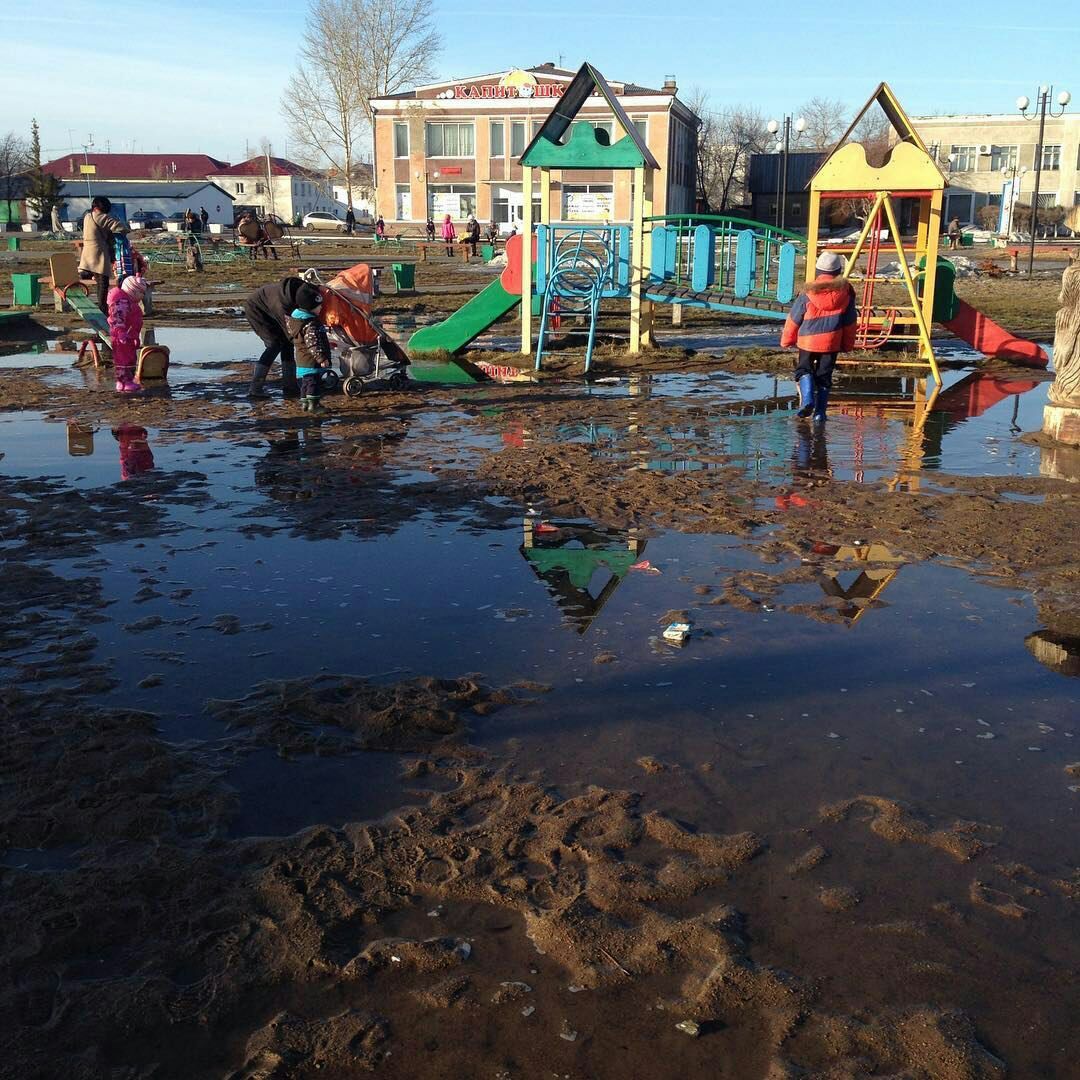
point(134, 285)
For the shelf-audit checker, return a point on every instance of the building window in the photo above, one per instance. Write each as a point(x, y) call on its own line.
point(498, 138)
point(259, 188)
point(965, 158)
point(457, 200)
point(239, 188)
point(449, 140)
point(517, 138)
point(642, 126)
point(1051, 156)
point(1047, 199)
point(401, 139)
point(403, 202)
point(1076, 198)
point(588, 202)
point(1004, 158)
point(534, 128)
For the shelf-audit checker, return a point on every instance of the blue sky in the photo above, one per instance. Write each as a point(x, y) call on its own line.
point(207, 76)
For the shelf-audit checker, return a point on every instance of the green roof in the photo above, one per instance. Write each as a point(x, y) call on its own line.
point(581, 151)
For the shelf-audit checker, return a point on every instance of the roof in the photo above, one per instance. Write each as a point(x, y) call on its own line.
point(120, 189)
point(846, 168)
point(137, 166)
point(546, 149)
point(256, 166)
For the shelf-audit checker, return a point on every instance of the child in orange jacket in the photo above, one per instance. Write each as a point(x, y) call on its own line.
point(821, 324)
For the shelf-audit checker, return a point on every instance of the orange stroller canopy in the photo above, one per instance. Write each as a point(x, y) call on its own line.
point(347, 305)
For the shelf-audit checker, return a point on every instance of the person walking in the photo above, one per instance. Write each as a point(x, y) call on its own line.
point(350, 221)
point(268, 310)
point(821, 324)
point(954, 234)
point(204, 218)
point(54, 219)
point(430, 229)
point(99, 229)
point(449, 235)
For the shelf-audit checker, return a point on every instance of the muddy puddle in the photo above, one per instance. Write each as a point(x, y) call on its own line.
point(355, 745)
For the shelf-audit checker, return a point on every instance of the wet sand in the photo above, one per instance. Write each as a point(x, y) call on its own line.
point(353, 744)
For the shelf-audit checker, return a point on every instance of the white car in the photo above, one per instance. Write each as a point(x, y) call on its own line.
point(321, 219)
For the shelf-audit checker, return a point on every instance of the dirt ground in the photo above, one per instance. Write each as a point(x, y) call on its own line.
point(495, 925)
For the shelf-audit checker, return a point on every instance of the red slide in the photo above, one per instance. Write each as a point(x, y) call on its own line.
point(985, 335)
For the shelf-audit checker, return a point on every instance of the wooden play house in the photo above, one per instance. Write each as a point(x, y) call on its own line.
point(887, 313)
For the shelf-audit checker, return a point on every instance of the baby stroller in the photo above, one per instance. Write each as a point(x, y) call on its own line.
point(380, 366)
point(369, 358)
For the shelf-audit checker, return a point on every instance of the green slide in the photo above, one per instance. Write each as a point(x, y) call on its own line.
point(466, 324)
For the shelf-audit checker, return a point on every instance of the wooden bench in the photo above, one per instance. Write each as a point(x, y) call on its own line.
point(64, 272)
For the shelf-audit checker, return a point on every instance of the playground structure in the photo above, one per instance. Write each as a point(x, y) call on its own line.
point(723, 263)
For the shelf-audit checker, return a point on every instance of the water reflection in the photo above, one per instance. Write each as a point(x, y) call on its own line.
point(135, 454)
point(581, 565)
point(878, 566)
point(1058, 652)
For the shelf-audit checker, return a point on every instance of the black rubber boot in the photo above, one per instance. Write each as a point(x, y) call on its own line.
point(257, 388)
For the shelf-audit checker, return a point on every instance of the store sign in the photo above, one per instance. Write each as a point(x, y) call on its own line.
point(514, 84)
point(589, 205)
point(445, 202)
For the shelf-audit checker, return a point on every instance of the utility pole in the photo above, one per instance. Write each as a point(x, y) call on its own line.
point(1042, 108)
point(784, 147)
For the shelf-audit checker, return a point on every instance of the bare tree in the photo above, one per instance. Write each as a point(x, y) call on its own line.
point(725, 142)
point(15, 162)
point(352, 52)
point(826, 120)
point(322, 102)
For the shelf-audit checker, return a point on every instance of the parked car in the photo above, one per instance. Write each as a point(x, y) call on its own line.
point(150, 219)
point(322, 219)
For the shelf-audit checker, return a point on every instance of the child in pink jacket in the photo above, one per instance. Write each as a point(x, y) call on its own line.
point(125, 329)
point(449, 235)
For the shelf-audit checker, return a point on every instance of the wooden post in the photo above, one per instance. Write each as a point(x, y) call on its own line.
point(526, 259)
point(545, 197)
point(929, 237)
point(813, 225)
point(646, 260)
point(637, 231)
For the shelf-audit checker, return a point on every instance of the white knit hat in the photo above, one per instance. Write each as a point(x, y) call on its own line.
point(829, 263)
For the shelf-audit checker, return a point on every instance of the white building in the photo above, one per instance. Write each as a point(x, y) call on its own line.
point(983, 154)
point(129, 197)
point(273, 185)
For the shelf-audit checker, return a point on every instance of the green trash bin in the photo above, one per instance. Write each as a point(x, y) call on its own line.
point(967, 240)
point(27, 290)
point(13, 243)
point(487, 252)
point(404, 275)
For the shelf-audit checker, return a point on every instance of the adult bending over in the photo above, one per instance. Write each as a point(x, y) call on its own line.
point(99, 230)
point(268, 310)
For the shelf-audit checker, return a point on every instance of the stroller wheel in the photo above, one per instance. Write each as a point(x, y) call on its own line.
point(399, 381)
point(353, 387)
point(330, 381)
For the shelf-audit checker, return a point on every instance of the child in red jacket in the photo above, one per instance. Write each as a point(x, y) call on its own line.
point(821, 324)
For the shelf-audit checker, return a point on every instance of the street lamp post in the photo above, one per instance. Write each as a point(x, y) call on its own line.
point(1041, 109)
point(773, 127)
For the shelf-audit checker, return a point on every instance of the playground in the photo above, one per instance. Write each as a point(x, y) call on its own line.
point(356, 743)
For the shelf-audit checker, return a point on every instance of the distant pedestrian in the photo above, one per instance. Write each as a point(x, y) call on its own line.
point(99, 230)
point(449, 235)
point(54, 216)
point(430, 229)
point(954, 234)
point(350, 221)
point(821, 324)
point(472, 235)
point(380, 228)
point(204, 218)
point(493, 233)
